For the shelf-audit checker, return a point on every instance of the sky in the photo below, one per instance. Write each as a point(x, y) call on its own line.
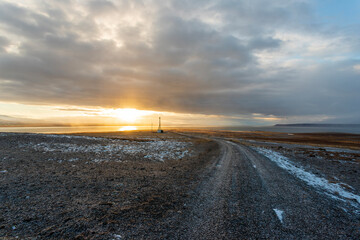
point(213, 62)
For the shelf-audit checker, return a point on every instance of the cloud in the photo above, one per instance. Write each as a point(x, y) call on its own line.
point(100, 7)
point(265, 43)
point(7, 121)
point(210, 57)
point(4, 42)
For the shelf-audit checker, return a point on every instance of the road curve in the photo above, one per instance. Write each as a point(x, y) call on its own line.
point(244, 195)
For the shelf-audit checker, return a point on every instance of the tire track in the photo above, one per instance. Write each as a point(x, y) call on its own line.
point(245, 195)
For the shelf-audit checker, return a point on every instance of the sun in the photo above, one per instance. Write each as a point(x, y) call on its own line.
point(128, 128)
point(129, 115)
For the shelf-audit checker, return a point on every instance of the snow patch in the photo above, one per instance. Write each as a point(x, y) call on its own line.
point(3, 171)
point(71, 136)
point(279, 214)
point(117, 237)
point(335, 189)
point(117, 150)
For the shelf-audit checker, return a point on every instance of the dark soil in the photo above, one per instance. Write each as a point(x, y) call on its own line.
point(136, 198)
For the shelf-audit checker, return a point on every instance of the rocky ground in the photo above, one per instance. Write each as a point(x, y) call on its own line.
point(97, 186)
point(334, 156)
point(188, 185)
point(337, 165)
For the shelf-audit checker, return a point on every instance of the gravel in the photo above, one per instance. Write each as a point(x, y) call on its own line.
point(104, 187)
point(171, 186)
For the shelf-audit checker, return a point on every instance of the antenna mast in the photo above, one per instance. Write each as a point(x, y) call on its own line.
point(159, 124)
point(159, 129)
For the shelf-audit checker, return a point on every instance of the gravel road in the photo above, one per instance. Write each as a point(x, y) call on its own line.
point(244, 195)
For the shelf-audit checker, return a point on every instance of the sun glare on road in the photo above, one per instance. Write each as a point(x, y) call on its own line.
point(128, 128)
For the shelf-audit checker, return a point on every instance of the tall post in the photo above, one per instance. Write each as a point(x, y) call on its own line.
point(159, 124)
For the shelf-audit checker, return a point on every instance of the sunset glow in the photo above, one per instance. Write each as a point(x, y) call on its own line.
point(127, 128)
point(128, 62)
point(129, 115)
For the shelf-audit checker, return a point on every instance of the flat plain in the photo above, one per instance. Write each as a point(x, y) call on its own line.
point(187, 184)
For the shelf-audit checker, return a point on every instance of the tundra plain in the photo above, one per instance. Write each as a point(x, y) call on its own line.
point(188, 184)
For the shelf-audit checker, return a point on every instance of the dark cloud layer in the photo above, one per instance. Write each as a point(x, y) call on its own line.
point(213, 57)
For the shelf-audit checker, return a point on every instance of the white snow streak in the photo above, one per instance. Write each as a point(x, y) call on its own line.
point(321, 183)
point(117, 237)
point(159, 150)
point(279, 214)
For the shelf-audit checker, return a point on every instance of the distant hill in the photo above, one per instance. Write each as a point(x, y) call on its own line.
point(316, 125)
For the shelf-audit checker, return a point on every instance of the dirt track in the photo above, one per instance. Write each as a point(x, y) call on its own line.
point(243, 194)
